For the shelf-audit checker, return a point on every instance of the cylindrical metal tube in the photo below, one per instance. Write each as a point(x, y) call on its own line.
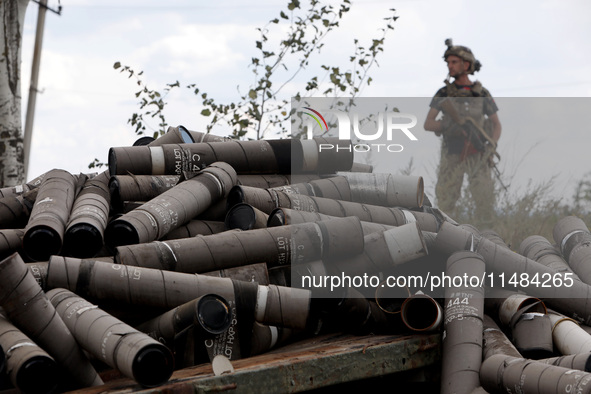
point(30, 368)
point(532, 333)
point(524, 316)
point(266, 181)
point(350, 311)
point(210, 313)
point(196, 227)
point(247, 157)
point(138, 187)
point(388, 190)
point(10, 241)
point(27, 306)
point(88, 219)
point(133, 353)
point(13, 191)
point(337, 238)
point(539, 249)
point(567, 336)
point(16, 210)
point(504, 304)
point(494, 341)
point(39, 272)
point(96, 280)
point(462, 338)
point(390, 299)
point(44, 233)
point(421, 312)
point(384, 250)
point(574, 239)
point(493, 236)
point(180, 134)
point(268, 200)
point(245, 217)
point(506, 374)
point(172, 208)
point(581, 361)
point(361, 167)
point(257, 273)
point(564, 296)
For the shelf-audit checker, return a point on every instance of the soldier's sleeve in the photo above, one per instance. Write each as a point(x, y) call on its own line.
point(439, 96)
point(490, 107)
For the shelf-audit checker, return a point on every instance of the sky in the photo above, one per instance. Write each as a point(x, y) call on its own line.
point(535, 55)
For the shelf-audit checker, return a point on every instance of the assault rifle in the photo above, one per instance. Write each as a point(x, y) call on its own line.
point(475, 134)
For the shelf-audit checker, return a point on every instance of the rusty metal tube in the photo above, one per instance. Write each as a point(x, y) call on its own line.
point(267, 201)
point(539, 249)
point(29, 309)
point(172, 208)
point(97, 280)
point(506, 374)
point(524, 316)
point(566, 297)
point(421, 312)
point(462, 338)
point(86, 225)
point(276, 246)
point(574, 239)
point(133, 353)
point(494, 340)
point(350, 311)
point(30, 368)
point(44, 233)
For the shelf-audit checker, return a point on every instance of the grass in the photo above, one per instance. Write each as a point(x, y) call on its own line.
point(531, 212)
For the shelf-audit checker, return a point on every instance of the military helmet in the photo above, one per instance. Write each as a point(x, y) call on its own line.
point(463, 53)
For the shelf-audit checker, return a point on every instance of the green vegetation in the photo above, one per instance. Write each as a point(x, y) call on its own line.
point(531, 212)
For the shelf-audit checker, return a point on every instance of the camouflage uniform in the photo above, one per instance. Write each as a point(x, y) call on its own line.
point(458, 155)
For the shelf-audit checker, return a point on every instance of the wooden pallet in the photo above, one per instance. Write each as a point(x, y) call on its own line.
point(305, 365)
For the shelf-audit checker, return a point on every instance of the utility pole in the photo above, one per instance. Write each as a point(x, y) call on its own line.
point(34, 80)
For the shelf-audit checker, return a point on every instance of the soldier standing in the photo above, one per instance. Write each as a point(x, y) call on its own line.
point(470, 128)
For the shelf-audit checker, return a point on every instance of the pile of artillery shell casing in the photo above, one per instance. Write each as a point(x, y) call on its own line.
point(193, 246)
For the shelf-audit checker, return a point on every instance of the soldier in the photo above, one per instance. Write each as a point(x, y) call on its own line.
point(470, 128)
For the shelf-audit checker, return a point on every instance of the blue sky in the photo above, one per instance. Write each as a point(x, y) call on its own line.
point(528, 49)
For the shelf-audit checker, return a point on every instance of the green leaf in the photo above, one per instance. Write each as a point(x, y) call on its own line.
point(116, 65)
point(293, 5)
point(206, 112)
point(252, 94)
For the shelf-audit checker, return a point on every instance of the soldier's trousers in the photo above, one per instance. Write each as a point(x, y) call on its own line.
point(451, 177)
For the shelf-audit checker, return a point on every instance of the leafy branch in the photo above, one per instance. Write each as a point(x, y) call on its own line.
point(260, 108)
